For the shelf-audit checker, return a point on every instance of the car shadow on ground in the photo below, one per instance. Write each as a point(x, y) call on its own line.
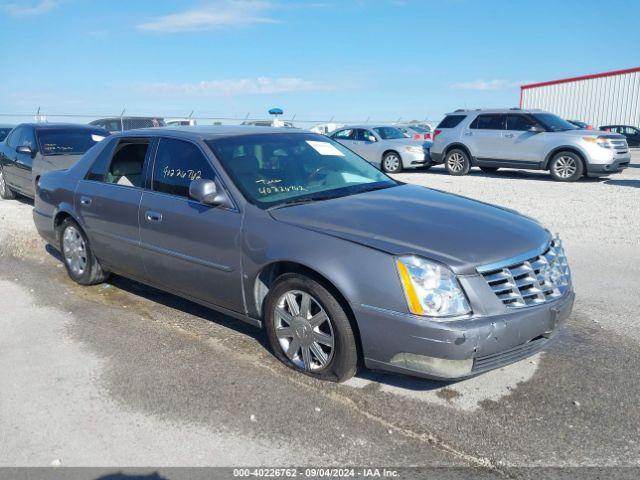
point(624, 183)
point(510, 174)
point(175, 302)
point(178, 303)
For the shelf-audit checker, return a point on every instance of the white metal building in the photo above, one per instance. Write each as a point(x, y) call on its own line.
point(609, 98)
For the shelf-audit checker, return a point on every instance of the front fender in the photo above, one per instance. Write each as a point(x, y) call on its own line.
point(363, 275)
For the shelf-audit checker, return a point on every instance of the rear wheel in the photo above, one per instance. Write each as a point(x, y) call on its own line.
point(81, 264)
point(489, 169)
point(391, 162)
point(457, 162)
point(309, 330)
point(566, 167)
point(5, 191)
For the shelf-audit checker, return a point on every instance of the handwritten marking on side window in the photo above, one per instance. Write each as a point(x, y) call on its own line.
point(179, 173)
point(269, 182)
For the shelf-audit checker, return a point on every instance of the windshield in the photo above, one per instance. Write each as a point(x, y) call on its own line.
point(4, 131)
point(553, 122)
point(282, 168)
point(68, 141)
point(389, 133)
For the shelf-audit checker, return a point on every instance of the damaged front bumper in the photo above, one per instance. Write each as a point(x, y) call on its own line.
point(460, 348)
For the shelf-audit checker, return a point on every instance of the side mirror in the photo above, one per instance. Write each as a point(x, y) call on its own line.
point(207, 192)
point(536, 129)
point(25, 150)
point(372, 139)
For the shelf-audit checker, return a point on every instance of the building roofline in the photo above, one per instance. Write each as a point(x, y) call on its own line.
point(582, 77)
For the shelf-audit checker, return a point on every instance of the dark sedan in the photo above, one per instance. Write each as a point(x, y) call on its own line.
point(32, 149)
point(290, 231)
point(632, 133)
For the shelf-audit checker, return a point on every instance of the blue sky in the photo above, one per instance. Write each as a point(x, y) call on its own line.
point(378, 59)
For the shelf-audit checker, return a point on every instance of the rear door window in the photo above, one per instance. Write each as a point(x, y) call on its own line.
point(451, 121)
point(519, 123)
point(177, 164)
point(489, 122)
point(127, 164)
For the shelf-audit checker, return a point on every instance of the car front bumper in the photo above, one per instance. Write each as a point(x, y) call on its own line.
point(457, 349)
point(415, 160)
point(616, 166)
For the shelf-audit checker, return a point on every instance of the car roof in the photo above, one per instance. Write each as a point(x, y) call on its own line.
point(48, 126)
point(368, 127)
point(205, 132)
point(495, 110)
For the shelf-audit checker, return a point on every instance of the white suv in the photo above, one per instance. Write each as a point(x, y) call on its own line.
point(529, 139)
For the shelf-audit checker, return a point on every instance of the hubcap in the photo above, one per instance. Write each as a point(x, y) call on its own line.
point(391, 163)
point(565, 167)
point(455, 162)
point(304, 330)
point(2, 185)
point(75, 250)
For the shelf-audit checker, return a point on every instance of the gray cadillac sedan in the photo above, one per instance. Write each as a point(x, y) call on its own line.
point(291, 231)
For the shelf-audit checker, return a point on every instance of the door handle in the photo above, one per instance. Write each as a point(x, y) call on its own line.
point(153, 216)
point(85, 201)
point(508, 135)
point(468, 134)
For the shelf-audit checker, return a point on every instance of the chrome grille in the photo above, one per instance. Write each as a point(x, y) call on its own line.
point(533, 281)
point(619, 145)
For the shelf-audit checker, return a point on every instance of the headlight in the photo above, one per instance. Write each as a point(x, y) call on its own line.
point(600, 141)
point(431, 289)
point(414, 149)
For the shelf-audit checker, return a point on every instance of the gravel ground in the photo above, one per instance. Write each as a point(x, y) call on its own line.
point(122, 374)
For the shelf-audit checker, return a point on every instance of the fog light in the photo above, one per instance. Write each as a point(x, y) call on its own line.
point(438, 367)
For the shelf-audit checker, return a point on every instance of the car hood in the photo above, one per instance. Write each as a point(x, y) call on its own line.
point(409, 219)
point(590, 133)
point(401, 142)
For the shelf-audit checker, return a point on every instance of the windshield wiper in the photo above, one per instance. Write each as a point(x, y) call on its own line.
point(300, 201)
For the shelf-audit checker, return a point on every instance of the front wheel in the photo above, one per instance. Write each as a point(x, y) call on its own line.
point(5, 191)
point(457, 162)
point(566, 167)
point(81, 264)
point(392, 163)
point(309, 330)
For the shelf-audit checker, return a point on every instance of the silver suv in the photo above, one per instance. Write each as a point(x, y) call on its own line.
point(529, 139)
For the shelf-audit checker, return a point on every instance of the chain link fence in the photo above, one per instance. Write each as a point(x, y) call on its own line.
point(126, 121)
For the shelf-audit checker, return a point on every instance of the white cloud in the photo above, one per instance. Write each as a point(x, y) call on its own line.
point(242, 86)
point(484, 85)
point(224, 13)
point(22, 10)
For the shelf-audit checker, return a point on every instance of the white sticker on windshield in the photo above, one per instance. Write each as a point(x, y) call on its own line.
point(324, 148)
point(96, 138)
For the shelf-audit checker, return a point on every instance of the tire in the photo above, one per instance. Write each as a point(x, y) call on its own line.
point(324, 348)
point(81, 264)
point(391, 162)
point(566, 167)
point(489, 169)
point(457, 162)
point(5, 191)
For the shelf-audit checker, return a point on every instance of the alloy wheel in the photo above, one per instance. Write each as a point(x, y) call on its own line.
point(565, 167)
point(455, 162)
point(3, 185)
point(74, 250)
point(391, 163)
point(304, 330)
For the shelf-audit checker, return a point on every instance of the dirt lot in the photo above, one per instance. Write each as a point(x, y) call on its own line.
point(121, 374)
